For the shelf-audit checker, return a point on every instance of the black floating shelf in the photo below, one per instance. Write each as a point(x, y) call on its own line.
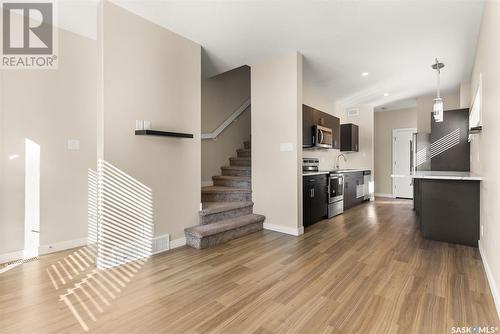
point(162, 133)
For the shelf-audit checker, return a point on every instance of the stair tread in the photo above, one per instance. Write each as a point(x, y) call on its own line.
point(201, 231)
point(212, 189)
point(243, 150)
point(240, 158)
point(232, 177)
point(217, 207)
point(237, 167)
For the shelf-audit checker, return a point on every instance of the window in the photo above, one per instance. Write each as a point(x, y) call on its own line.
point(475, 121)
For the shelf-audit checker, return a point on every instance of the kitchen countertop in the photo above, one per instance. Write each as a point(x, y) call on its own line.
point(341, 171)
point(445, 175)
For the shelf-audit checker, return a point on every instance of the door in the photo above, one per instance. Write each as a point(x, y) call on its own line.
point(402, 185)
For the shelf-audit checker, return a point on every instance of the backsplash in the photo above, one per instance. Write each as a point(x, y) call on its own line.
point(326, 158)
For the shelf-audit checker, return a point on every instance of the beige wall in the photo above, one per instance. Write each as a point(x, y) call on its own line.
point(220, 97)
point(385, 122)
point(424, 108)
point(49, 107)
point(153, 74)
point(276, 86)
point(485, 159)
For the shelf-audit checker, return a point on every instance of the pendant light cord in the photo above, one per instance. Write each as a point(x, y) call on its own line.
point(438, 69)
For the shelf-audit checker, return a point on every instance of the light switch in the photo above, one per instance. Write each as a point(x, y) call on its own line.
point(286, 147)
point(73, 144)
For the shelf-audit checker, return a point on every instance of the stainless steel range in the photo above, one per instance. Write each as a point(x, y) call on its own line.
point(335, 194)
point(310, 164)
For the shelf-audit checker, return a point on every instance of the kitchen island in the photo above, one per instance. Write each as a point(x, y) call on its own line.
point(447, 206)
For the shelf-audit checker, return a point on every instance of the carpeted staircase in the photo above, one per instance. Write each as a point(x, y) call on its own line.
point(227, 207)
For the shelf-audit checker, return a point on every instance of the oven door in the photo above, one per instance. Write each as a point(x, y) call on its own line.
point(335, 188)
point(323, 137)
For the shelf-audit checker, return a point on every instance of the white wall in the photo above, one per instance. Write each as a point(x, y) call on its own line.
point(151, 73)
point(49, 107)
point(220, 97)
point(276, 89)
point(485, 159)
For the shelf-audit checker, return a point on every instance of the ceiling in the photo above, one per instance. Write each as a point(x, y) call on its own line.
point(395, 41)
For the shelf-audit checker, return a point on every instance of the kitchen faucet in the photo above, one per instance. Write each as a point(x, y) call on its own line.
point(338, 156)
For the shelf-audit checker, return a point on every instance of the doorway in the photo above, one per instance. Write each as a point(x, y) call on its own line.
point(402, 183)
point(32, 200)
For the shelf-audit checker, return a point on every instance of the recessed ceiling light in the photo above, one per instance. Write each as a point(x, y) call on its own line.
point(386, 94)
point(365, 74)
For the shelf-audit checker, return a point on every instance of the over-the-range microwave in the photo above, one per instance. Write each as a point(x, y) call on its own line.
point(322, 137)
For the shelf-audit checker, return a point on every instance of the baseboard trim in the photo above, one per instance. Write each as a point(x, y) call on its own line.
point(384, 195)
point(283, 229)
point(12, 256)
point(45, 249)
point(177, 243)
point(63, 245)
point(68, 244)
point(491, 279)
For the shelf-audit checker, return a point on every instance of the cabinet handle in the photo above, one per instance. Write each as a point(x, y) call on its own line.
point(312, 191)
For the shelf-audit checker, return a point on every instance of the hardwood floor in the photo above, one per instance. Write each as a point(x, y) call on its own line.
point(366, 271)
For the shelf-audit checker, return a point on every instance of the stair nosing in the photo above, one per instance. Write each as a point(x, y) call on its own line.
point(254, 218)
point(237, 167)
point(232, 177)
point(225, 206)
point(224, 189)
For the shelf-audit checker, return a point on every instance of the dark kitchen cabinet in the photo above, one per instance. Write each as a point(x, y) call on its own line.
point(333, 123)
point(315, 203)
point(349, 137)
point(312, 117)
point(351, 181)
point(308, 121)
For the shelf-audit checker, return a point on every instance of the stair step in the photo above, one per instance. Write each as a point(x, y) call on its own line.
point(216, 211)
point(236, 170)
point(245, 161)
point(232, 181)
point(225, 194)
point(247, 144)
point(203, 236)
point(244, 152)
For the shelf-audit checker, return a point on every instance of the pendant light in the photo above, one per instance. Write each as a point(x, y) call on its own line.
point(438, 109)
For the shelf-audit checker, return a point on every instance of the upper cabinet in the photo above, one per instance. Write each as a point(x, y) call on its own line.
point(349, 138)
point(312, 117)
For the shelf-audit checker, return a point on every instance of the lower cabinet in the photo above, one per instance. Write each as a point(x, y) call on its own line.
point(351, 183)
point(315, 201)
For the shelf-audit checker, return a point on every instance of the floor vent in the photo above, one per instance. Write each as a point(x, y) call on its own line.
point(161, 243)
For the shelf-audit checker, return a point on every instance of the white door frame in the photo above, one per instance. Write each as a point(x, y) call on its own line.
point(394, 132)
